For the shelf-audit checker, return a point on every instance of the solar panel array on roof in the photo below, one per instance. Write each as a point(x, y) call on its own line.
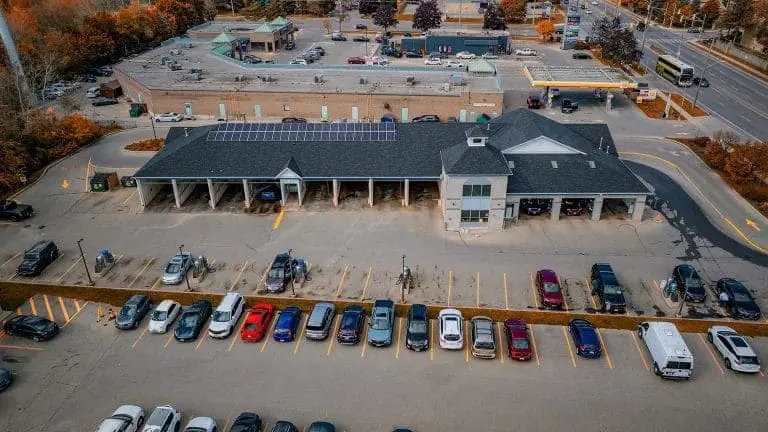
point(303, 132)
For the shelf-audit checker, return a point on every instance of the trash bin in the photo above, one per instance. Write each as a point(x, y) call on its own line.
point(127, 181)
point(102, 182)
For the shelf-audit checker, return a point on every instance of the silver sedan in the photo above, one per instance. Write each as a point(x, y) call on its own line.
point(177, 268)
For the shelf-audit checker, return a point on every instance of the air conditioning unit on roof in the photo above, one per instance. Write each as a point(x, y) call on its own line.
point(318, 79)
point(363, 80)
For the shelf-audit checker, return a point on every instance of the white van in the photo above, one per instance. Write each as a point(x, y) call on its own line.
point(671, 356)
point(226, 315)
point(93, 92)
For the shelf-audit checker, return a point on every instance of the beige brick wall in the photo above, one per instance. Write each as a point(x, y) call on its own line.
point(452, 201)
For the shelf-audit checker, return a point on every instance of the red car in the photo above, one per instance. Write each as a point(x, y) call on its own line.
point(356, 60)
point(549, 289)
point(518, 339)
point(257, 322)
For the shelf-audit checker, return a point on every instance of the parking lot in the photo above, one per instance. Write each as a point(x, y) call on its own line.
point(361, 388)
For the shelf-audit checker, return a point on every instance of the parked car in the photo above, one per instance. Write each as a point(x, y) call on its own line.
point(581, 56)
point(741, 304)
point(391, 52)
point(382, 323)
point(607, 288)
point(451, 329)
point(669, 353)
point(378, 61)
point(412, 54)
point(102, 101)
point(93, 92)
point(584, 338)
point(573, 207)
point(311, 56)
point(299, 61)
point(588, 11)
point(257, 322)
point(701, 81)
point(247, 422)
point(280, 273)
point(31, 327)
point(355, 60)
point(361, 27)
point(319, 321)
point(534, 102)
point(284, 426)
point(417, 336)
point(454, 64)
point(361, 39)
point(736, 352)
point(169, 117)
point(689, 283)
point(290, 45)
point(433, 61)
point(227, 314)
point(192, 321)
point(518, 339)
point(6, 378)
point(201, 424)
point(163, 316)
point(694, 29)
point(490, 56)
point(89, 79)
point(427, 118)
point(37, 258)
point(525, 52)
point(568, 106)
point(287, 324)
point(176, 269)
point(388, 119)
point(132, 312)
point(351, 326)
point(338, 37)
point(483, 337)
point(321, 426)
point(252, 59)
point(438, 54)
point(465, 55)
point(548, 287)
point(13, 211)
point(293, 120)
point(533, 206)
point(164, 418)
point(640, 26)
point(318, 49)
point(126, 418)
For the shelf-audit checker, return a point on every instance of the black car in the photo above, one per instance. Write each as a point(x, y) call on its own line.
point(568, 106)
point(607, 288)
point(290, 45)
point(361, 27)
point(361, 39)
point(192, 321)
point(6, 378)
point(279, 273)
point(701, 81)
point(246, 422)
point(581, 56)
point(252, 59)
point(640, 26)
point(89, 79)
point(31, 327)
point(351, 326)
point(99, 72)
point(428, 118)
point(740, 301)
point(688, 281)
point(132, 312)
point(321, 426)
point(11, 210)
point(417, 337)
point(104, 101)
point(284, 426)
point(534, 206)
point(318, 49)
point(37, 258)
point(294, 120)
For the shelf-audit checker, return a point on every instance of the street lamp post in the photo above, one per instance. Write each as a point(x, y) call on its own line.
point(704, 72)
point(646, 29)
point(152, 122)
point(405, 281)
point(290, 263)
point(181, 252)
point(85, 264)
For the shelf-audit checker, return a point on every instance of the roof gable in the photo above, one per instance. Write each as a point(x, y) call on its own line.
point(541, 145)
point(473, 160)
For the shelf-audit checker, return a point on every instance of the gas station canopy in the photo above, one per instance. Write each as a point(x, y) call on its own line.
point(566, 76)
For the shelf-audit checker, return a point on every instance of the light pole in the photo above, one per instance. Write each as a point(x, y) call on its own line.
point(152, 122)
point(290, 263)
point(181, 252)
point(704, 72)
point(405, 281)
point(85, 264)
point(682, 301)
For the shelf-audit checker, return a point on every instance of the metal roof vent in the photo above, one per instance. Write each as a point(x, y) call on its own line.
point(554, 164)
point(591, 164)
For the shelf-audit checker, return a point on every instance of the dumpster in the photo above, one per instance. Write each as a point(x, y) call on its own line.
point(102, 182)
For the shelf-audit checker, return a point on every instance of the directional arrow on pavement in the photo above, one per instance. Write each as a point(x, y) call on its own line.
point(753, 224)
point(65, 184)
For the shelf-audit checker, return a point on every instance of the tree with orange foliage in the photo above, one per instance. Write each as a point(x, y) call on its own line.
point(182, 13)
point(545, 28)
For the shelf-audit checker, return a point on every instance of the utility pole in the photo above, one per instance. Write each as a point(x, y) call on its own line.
point(405, 281)
point(682, 301)
point(704, 72)
point(85, 264)
point(293, 279)
point(647, 28)
point(184, 269)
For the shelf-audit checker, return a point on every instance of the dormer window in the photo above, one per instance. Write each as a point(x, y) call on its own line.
point(477, 141)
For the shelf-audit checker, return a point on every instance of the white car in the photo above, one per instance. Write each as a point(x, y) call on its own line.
point(525, 52)
point(377, 61)
point(734, 348)
point(298, 61)
point(594, 2)
point(163, 418)
point(490, 56)
point(201, 424)
point(588, 11)
point(433, 61)
point(163, 316)
point(451, 329)
point(454, 63)
point(126, 418)
point(225, 317)
point(465, 55)
point(169, 117)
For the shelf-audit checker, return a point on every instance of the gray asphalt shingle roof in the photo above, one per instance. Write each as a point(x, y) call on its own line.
point(481, 160)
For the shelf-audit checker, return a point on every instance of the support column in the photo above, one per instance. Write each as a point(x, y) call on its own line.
point(300, 189)
point(140, 190)
point(637, 213)
point(216, 192)
point(597, 208)
point(335, 193)
point(556, 208)
point(406, 193)
point(247, 193)
point(176, 196)
point(370, 192)
point(516, 210)
point(283, 194)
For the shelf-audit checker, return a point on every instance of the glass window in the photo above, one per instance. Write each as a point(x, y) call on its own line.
point(467, 191)
point(485, 190)
point(474, 216)
point(476, 190)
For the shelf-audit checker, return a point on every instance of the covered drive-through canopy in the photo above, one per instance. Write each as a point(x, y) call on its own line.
point(567, 76)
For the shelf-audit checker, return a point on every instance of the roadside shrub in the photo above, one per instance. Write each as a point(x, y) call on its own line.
point(146, 145)
point(739, 165)
point(701, 141)
point(715, 155)
point(763, 207)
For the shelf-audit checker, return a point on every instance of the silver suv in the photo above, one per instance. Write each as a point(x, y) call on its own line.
point(483, 338)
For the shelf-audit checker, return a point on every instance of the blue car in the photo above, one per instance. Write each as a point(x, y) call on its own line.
point(585, 338)
point(287, 324)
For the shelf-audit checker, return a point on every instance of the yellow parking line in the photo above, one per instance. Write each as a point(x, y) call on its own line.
point(533, 293)
point(605, 348)
point(535, 348)
point(18, 310)
point(589, 293)
point(711, 354)
point(341, 282)
point(48, 308)
point(399, 328)
point(141, 336)
point(279, 220)
point(656, 284)
point(565, 302)
point(10, 259)
point(506, 295)
point(501, 343)
point(240, 273)
point(431, 341)
point(365, 339)
point(570, 350)
point(301, 336)
point(477, 289)
point(367, 279)
point(61, 278)
point(129, 197)
point(76, 313)
point(170, 336)
point(333, 336)
point(77, 305)
point(235, 337)
point(138, 275)
point(271, 330)
point(63, 309)
point(639, 351)
point(450, 285)
point(203, 337)
point(466, 341)
point(29, 348)
point(227, 424)
point(32, 305)
point(154, 285)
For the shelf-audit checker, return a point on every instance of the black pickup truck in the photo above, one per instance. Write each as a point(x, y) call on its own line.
point(607, 288)
point(11, 210)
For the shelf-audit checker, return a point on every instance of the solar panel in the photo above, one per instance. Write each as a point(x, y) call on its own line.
point(303, 132)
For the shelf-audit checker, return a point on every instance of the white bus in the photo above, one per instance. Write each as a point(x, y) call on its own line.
point(671, 68)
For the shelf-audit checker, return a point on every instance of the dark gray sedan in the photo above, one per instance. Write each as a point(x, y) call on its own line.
point(133, 312)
